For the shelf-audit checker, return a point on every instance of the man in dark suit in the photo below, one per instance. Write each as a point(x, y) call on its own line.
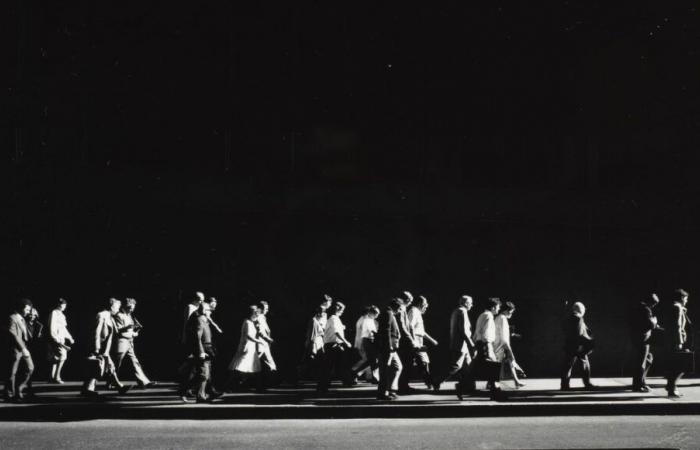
point(388, 336)
point(461, 345)
point(643, 324)
point(198, 339)
point(578, 344)
point(19, 352)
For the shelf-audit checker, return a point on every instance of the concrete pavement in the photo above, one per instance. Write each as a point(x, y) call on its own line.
point(540, 397)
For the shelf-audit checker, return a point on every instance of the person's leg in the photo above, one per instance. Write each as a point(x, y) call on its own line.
point(648, 361)
point(26, 375)
point(456, 363)
point(395, 369)
point(567, 368)
point(138, 370)
point(585, 363)
point(383, 362)
point(423, 361)
point(405, 355)
point(11, 379)
point(203, 376)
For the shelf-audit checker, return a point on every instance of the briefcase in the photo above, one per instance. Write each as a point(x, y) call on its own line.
point(683, 361)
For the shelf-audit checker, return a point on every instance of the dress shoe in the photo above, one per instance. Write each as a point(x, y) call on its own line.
point(124, 389)
point(590, 386)
point(436, 387)
point(184, 399)
point(89, 394)
point(385, 397)
point(393, 395)
point(674, 394)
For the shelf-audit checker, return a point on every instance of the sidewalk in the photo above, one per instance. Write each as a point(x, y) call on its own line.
point(540, 397)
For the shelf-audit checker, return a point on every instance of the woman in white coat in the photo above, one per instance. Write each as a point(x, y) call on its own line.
point(59, 341)
point(502, 348)
point(246, 362)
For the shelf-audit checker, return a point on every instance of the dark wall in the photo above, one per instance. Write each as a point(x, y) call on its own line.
point(536, 153)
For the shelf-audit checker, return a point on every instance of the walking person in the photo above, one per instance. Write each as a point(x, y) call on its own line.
point(19, 353)
point(407, 346)
point(678, 340)
point(335, 348)
point(502, 348)
point(100, 361)
point(59, 342)
point(388, 341)
point(461, 346)
point(485, 363)
point(578, 344)
point(266, 360)
point(246, 362)
point(313, 346)
point(365, 331)
point(420, 338)
point(199, 339)
point(643, 325)
point(128, 329)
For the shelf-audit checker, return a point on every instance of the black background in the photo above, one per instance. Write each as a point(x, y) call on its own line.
point(537, 152)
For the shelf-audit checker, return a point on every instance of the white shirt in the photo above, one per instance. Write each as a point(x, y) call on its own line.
point(485, 329)
point(415, 323)
point(333, 326)
point(59, 327)
point(364, 328)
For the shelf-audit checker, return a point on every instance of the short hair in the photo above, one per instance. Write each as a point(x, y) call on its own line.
point(405, 297)
point(336, 308)
point(492, 302)
point(578, 307)
point(211, 300)
point(61, 301)
point(680, 293)
point(319, 310)
point(372, 309)
point(422, 301)
point(22, 303)
point(262, 304)
point(463, 299)
point(113, 300)
point(395, 304)
point(508, 307)
point(253, 309)
point(130, 302)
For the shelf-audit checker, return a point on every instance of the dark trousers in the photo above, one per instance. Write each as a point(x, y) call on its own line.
point(368, 357)
point(333, 363)
point(408, 355)
point(195, 375)
point(643, 359)
point(482, 367)
point(568, 367)
point(389, 371)
point(14, 384)
point(459, 361)
point(675, 368)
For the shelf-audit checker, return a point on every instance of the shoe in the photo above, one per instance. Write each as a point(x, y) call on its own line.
point(460, 395)
point(565, 388)
point(203, 400)
point(436, 387)
point(674, 394)
point(89, 394)
point(590, 386)
point(385, 397)
point(124, 389)
point(184, 399)
point(641, 389)
point(393, 395)
point(215, 394)
point(519, 385)
point(408, 391)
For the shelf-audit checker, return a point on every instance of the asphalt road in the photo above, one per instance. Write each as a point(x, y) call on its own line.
point(479, 433)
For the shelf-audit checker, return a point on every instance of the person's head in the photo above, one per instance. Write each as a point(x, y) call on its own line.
point(253, 312)
point(319, 312)
point(264, 307)
point(24, 307)
point(327, 302)
point(395, 304)
point(651, 300)
point(114, 304)
point(337, 309)
point(197, 298)
point(407, 298)
point(61, 304)
point(33, 315)
point(213, 303)
point(579, 309)
point(422, 304)
point(373, 312)
point(129, 305)
point(681, 296)
point(508, 309)
point(493, 304)
point(466, 301)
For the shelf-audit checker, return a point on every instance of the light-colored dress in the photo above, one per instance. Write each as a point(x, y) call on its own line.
point(501, 345)
point(246, 359)
point(264, 347)
point(58, 328)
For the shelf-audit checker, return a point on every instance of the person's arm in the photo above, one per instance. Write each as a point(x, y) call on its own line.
point(98, 332)
point(54, 330)
point(16, 334)
point(251, 334)
point(429, 338)
point(200, 334)
point(680, 333)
